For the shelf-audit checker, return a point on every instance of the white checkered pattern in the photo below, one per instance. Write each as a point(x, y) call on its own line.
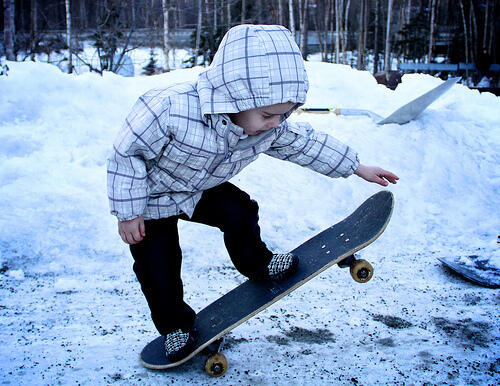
point(175, 341)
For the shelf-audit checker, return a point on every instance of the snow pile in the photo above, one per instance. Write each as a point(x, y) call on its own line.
point(71, 308)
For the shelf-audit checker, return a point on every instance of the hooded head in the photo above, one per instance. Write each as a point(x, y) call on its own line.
point(255, 66)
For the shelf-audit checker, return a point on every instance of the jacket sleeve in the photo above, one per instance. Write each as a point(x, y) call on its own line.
point(140, 140)
point(299, 143)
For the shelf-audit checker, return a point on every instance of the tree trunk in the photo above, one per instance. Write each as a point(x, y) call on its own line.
point(166, 33)
point(303, 27)
point(228, 13)
point(365, 37)
point(280, 12)
point(292, 19)
point(83, 15)
point(9, 29)
point(215, 18)
point(408, 12)
point(325, 34)
point(486, 21)
point(375, 38)
point(464, 21)
point(33, 28)
point(387, 63)
point(337, 31)
point(346, 32)
point(407, 22)
point(259, 11)
point(432, 29)
point(492, 27)
point(68, 36)
point(473, 28)
point(198, 33)
point(361, 37)
point(243, 11)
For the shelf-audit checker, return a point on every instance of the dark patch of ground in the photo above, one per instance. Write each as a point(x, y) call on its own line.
point(298, 334)
point(392, 321)
point(469, 332)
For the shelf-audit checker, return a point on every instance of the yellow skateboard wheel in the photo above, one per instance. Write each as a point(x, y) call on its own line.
point(361, 271)
point(216, 365)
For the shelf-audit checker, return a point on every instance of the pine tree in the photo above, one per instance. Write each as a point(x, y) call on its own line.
point(151, 68)
point(3, 67)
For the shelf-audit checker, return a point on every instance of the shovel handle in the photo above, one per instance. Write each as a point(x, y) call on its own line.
point(318, 110)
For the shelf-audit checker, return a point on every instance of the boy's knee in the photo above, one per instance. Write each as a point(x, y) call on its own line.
point(244, 213)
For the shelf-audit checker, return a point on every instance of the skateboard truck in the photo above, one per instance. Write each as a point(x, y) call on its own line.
point(361, 270)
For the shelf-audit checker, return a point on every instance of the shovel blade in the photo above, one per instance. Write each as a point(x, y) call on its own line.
point(412, 109)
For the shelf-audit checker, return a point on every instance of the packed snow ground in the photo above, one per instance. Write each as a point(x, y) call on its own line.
point(71, 310)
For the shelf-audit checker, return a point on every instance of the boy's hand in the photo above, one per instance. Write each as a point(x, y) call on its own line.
point(376, 175)
point(132, 231)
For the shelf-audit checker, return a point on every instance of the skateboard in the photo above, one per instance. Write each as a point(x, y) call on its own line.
point(474, 269)
point(335, 245)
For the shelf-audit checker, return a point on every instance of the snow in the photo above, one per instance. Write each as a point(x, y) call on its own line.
point(71, 308)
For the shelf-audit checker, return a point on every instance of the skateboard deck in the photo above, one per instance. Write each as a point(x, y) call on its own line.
point(336, 244)
point(475, 270)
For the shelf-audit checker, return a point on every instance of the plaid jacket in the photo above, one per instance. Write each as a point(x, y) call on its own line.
point(179, 141)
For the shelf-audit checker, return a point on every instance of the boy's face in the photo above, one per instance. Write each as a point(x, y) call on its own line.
point(256, 121)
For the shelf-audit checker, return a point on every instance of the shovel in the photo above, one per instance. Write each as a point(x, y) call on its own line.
point(402, 115)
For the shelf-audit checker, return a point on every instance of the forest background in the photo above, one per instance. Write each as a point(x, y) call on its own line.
point(366, 34)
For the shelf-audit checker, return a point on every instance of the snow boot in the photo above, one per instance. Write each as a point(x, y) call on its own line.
point(282, 265)
point(178, 344)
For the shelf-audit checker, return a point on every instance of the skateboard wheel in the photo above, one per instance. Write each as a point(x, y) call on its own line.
point(361, 271)
point(216, 365)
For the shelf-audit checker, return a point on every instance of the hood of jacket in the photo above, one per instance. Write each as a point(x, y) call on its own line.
point(255, 66)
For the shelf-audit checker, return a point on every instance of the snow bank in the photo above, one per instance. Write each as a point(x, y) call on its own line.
point(64, 265)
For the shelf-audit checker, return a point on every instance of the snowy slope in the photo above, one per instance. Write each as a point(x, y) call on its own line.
point(71, 309)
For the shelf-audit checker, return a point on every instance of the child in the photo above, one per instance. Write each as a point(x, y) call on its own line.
point(181, 144)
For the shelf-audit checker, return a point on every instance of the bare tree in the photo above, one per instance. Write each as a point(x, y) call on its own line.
point(198, 34)
point(33, 28)
point(466, 38)
point(259, 11)
point(166, 33)
point(303, 6)
point(387, 64)
point(432, 29)
point(83, 15)
point(243, 11)
point(338, 12)
point(408, 12)
point(9, 29)
point(362, 35)
point(346, 31)
point(492, 27)
point(375, 37)
point(68, 36)
point(215, 17)
point(327, 18)
point(473, 28)
point(486, 21)
point(292, 19)
point(280, 12)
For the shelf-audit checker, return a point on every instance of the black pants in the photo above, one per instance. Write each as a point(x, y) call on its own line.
point(158, 256)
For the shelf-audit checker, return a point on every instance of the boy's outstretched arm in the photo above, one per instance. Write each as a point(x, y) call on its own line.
point(376, 175)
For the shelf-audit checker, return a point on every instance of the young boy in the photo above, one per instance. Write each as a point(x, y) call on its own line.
point(181, 144)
